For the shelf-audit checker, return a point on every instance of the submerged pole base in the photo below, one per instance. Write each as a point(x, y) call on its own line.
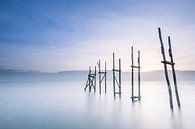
point(117, 93)
point(136, 98)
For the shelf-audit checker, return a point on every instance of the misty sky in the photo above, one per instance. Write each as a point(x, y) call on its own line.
point(48, 35)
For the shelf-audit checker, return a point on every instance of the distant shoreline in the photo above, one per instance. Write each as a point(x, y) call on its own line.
point(81, 75)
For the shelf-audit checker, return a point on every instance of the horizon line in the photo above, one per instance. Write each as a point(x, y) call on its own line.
point(77, 70)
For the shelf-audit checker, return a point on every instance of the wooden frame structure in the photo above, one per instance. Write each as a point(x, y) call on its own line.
point(115, 80)
point(102, 78)
point(132, 75)
point(171, 62)
point(91, 80)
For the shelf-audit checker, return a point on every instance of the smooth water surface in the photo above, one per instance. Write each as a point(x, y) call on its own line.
point(65, 105)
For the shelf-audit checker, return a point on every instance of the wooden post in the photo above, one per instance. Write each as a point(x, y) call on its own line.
point(113, 74)
point(99, 77)
point(165, 69)
point(89, 79)
point(105, 77)
point(173, 72)
point(139, 95)
point(132, 74)
point(95, 80)
point(119, 76)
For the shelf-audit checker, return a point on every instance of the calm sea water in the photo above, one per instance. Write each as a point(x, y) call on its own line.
point(65, 105)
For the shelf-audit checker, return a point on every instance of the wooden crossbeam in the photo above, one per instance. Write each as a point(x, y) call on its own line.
point(135, 67)
point(168, 62)
point(116, 70)
point(136, 97)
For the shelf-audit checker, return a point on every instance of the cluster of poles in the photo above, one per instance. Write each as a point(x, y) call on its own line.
point(117, 74)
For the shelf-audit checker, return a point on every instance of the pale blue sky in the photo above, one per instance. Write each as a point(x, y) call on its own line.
point(48, 35)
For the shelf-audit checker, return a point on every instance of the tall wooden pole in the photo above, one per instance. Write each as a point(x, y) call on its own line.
point(105, 77)
point(119, 76)
point(173, 71)
point(95, 80)
point(139, 75)
point(165, 69)
point(89, 79)
point(113, 74)
point(132, 74)
point(99, 77)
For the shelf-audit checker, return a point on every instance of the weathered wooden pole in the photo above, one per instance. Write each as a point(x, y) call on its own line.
point(173, 71)
point(89, 79)
point(139, 95)
point(165, 69)
point(105, 78)
point(113, 74)
point(95, 80)
point(99, 76)
point(132, 74)
point(119, 76)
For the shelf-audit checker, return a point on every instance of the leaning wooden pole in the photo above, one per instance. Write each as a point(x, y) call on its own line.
point(89, 79)
point(173, 71)
point(165, 69)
